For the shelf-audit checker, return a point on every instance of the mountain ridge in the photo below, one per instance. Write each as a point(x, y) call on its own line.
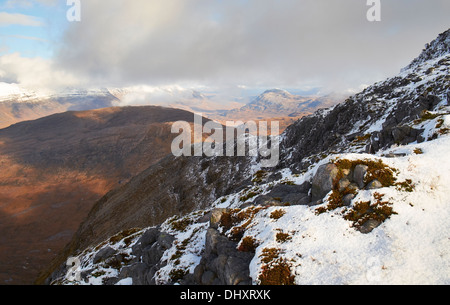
point(236, 205)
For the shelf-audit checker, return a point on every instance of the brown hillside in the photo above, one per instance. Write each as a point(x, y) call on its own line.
point(52, 171)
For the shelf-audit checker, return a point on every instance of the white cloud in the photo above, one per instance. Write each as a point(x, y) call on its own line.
point(35, 73)
point(27, 3)
point(26, 38)
point(7, 19)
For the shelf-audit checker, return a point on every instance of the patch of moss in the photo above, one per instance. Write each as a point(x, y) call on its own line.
point(259, 176)
point(282, 237)
point(250, 194)
point(180, 225)
point(444, 131)
point(248, 244)
point(365, 211)
point(123, 235)
point(177, 274)
point(377, 170)
point(237, 221)
point(364, 138)
point(180, 250)
point(336, 200)
point(276, 270)
point(426, 116)
point(406, 186)
point(277, 214)
point(287, 182)
point(229, 218)
point(269, 254)
point(418, 151)
point(98, 274)
point(440, 123)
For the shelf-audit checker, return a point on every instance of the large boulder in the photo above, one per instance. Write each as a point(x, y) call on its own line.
point(104, 254)
point(138, 272)
point(359, 175)
point(323, 181)
point(222, 263)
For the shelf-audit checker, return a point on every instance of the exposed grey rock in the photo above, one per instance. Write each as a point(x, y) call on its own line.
point(152, 254)
point(216, 216)
point(110, 281)
point(85, 274)
point(150, 275)
point(347, 200)
point(149, 237)
point(281, 190)
point(297, 199)
point(208, 277)
point(104, 254)
point(198, 273)
point(237, 269)
point(149, 250)
point(359, 174)
point(283, 194)
point(317, 202)
point(393, 155)
point(343, 184)
point(205, 218)
point(165, 240)
point(212, 239)
point(373, 185)
point(138, 272)
point(222, 263)
point(274, 177)
point(353, 186)
point(323, 180)
point(266, 200)
point(369, 226)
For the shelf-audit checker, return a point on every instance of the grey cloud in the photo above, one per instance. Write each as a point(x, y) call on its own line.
point(274, 43)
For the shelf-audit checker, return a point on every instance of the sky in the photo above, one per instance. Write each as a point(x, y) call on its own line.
point(235, 46)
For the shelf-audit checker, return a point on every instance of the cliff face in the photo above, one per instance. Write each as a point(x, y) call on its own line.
point(381, 133)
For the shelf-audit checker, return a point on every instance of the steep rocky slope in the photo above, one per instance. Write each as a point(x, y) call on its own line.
point(359, 196)
point(55, 168)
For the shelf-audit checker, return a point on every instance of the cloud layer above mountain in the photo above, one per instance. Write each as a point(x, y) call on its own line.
point(255, 43)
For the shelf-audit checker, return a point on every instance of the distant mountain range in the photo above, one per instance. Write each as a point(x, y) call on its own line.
point(18, 104)
point(278, 105)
